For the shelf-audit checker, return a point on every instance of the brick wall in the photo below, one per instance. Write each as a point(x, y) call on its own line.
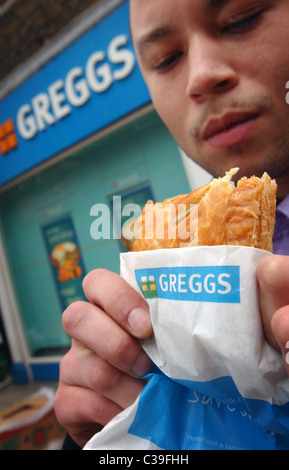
point(29, 24)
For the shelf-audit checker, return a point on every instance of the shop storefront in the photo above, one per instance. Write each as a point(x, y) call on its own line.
point(78, 133)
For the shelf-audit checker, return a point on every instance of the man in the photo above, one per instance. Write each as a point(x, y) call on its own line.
point(217, 71)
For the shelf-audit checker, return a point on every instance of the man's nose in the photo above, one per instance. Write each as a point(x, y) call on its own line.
point(210, 70)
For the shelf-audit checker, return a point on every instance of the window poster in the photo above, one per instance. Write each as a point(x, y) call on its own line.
point(65, 260)
point(126, 208)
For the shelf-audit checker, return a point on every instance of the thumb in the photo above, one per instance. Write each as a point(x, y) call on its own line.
point(280, 329)
point(273, 279)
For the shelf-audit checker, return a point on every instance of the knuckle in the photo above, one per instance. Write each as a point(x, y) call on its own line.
point(57, 401)
point(93, 278)
point(61, 398)
point(122, 350)
point(103, 377)
point(126, 297)
point(102, 410)
point(65, 364)
point(74, 316)
point(59, 405)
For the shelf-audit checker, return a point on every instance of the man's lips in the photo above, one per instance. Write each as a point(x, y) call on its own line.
point(231, 129)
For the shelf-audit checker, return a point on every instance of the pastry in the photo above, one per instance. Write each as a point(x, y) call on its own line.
point(218, 213)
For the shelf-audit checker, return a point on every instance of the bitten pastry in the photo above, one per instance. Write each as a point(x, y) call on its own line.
point(218, 213)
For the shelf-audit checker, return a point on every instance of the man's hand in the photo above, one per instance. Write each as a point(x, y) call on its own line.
point(99, 376)
point(273, 278)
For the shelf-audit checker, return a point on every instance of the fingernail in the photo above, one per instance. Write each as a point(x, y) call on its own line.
point(142, 365)
point(139, 320)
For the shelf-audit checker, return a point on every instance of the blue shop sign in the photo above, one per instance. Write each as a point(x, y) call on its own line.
point(91, 84)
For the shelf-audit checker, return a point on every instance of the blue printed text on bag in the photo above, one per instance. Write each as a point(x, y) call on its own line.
point(220, 284)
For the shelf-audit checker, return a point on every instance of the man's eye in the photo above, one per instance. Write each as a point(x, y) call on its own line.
point(244, 24)
point(166, 63)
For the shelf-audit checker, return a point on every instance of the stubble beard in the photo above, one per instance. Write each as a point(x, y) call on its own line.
point(276, 161)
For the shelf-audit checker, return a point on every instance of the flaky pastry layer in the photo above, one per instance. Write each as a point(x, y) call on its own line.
point(218, 213)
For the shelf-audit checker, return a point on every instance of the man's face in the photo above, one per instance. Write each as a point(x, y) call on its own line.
point(217, 73)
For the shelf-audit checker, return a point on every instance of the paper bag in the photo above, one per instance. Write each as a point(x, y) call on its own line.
point(217, 384)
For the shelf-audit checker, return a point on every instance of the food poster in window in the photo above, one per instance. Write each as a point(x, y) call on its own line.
point(65, 259)
point(125, 209)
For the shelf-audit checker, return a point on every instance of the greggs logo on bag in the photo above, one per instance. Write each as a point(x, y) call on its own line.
point(219, 284)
